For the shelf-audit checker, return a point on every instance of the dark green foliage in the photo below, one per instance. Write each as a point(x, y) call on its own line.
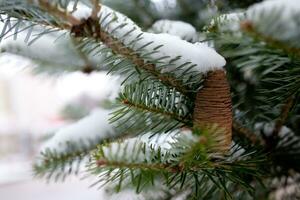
point(152, 107)
point(263, 68)
point(187, 164)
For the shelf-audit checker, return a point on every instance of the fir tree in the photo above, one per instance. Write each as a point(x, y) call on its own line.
point(187, 124)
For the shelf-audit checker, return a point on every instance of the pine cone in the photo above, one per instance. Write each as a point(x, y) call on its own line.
point(213, 106)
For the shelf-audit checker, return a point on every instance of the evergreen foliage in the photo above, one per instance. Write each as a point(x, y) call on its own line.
point(262, 51)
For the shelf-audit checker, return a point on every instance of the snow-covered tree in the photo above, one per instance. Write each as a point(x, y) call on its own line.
point(209, 95)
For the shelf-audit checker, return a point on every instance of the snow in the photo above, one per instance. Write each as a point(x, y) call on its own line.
point(178, 28)
point(229, 22)
point(205, 58)
point(268, 129)
point(118, 25)
point(82, 11)
point(44, 44)
point(127, 152)
point(287, 7)
point(282, 12)
point(55, 49)
point(122, 152)
point(93, 127)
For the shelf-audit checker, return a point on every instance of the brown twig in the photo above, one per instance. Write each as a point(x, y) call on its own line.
point(55, 11)
point(96, 8)
point(242, 131)
point(145, 166)
point(283, 115)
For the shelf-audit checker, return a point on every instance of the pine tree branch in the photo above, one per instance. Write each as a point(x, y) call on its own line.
point(79, 27)
point(171, 115)
point(59, 165)
point(163, 167)
point(118, 48)
point(88, 67)
point(248, 27)
point(96, 8)
point(140, 163)
point(55, 11)
point(144, 166)
point(283, 115)
point(243, 132)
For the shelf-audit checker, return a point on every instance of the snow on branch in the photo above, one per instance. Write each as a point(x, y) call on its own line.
point(276, 22)
point(228, 22)
point(287, 8)
point(55, 49)
point(178, 28)
point(92, 129)
point(174, 61)
point(168, 46)
point(156, 54)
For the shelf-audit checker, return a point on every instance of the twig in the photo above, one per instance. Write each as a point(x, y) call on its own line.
point(78, 28)
point(96, 9)
point(55, 11)
point(171, 115)
point(157, 167)
point(283, 115)
point(242, 131)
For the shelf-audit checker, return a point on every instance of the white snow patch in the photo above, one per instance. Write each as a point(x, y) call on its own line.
point(229, 22)
point(178, 28)
point(205, 58)
point(284, 13)
point(93, 127)
point(55, 49)
point(44, 49)
point(268, 129)
point(118, 25)
point(287, 8)
point(82, 11)
point(123, 151)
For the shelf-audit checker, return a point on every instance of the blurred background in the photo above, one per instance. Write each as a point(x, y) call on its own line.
point(32, 107)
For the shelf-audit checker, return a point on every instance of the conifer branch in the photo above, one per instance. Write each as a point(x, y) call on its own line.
point(283, 115)
point(144, 166)
point(88, 67)
point(96, 8)
point(178, 165)
point(171, 115)
point(78, 28)
point(54, 165)
point(187, 81)
point(118, 48)
point(248, 27)
point(61, 14)
point(244, 132)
